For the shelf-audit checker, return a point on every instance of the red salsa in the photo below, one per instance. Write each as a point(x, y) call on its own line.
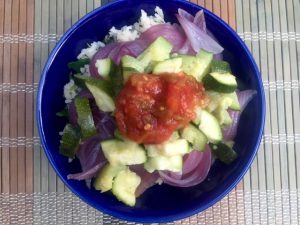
point(151, 107)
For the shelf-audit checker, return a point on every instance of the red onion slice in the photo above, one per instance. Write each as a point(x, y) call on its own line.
point(115, 53)
point(186, 15)
point(198, 38)
point(132, 48)
point(191, 161)
point(147, 179)
point(88, 174)
point(90, 153)
point(216, 56)
point(135, 47)
point(187, 49)
point(173, 33)
point(199, 20)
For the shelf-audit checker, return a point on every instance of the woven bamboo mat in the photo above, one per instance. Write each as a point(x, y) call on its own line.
point(31, 193)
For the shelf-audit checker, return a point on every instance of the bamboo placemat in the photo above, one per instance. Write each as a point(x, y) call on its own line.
point(31, 193)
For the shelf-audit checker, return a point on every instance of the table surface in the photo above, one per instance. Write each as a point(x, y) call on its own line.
point(30, 191)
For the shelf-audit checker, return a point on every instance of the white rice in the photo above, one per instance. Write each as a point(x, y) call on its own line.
point(132, 32)
point(90, 51)
point(70, 91)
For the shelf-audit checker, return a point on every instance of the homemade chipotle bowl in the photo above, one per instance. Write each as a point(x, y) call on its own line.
point(183, 68)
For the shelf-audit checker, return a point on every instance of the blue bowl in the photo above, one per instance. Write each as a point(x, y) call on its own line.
point(160, 203)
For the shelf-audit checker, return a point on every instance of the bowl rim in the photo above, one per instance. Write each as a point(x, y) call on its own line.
point(150, 219)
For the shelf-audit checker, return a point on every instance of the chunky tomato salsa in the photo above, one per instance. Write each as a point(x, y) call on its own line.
point(151, 107)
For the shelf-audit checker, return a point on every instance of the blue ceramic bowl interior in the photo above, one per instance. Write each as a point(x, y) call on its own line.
point(160, 203)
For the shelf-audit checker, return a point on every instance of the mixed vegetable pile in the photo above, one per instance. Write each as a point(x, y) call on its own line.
point(158, 109)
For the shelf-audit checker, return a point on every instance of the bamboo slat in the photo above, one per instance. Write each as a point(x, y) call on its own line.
point(276, 124)
point(201, 2)
point(74, 11)
point(52, 21)
point(231, 13)
point(217, 7)
point(37, 71)
point(6, 101)
point(59, 26)
point(1, 81)
point(89, 5)
point(13, 126)
point(225, 11)
point(82, 8)
point(209, 5)
point(266, 147)
point(44, 55)
point(295, 72)
point(21, 78)
point(29, 106)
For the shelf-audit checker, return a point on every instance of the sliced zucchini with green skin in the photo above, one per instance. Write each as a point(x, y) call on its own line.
point(104, 179)
point(85, 117)
point(81, 81)
point(215, 99)
point(220, 66)
point(205, 58)
point(198, 116)
point(197, 66)
point(223, 152)
point(175, 135)
point(131, 65)
point(146, 60)
point(125, 185)
point(188, 65)
point(116, 79)
point(169, 148)
point(168, 66)
point(157, 51)
point(193, 135)
point(118, 135)
point(170, 163)
point(77, 65)
point(105, 67)
point(235, 105)
point(220, 82)
point(69, 143)
point(223, 100)
point(219, 103)
point(209, 125)
point(104, 101)
point(119, 152)
point(131, 62)
point(127, 72)
point(222, 116)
